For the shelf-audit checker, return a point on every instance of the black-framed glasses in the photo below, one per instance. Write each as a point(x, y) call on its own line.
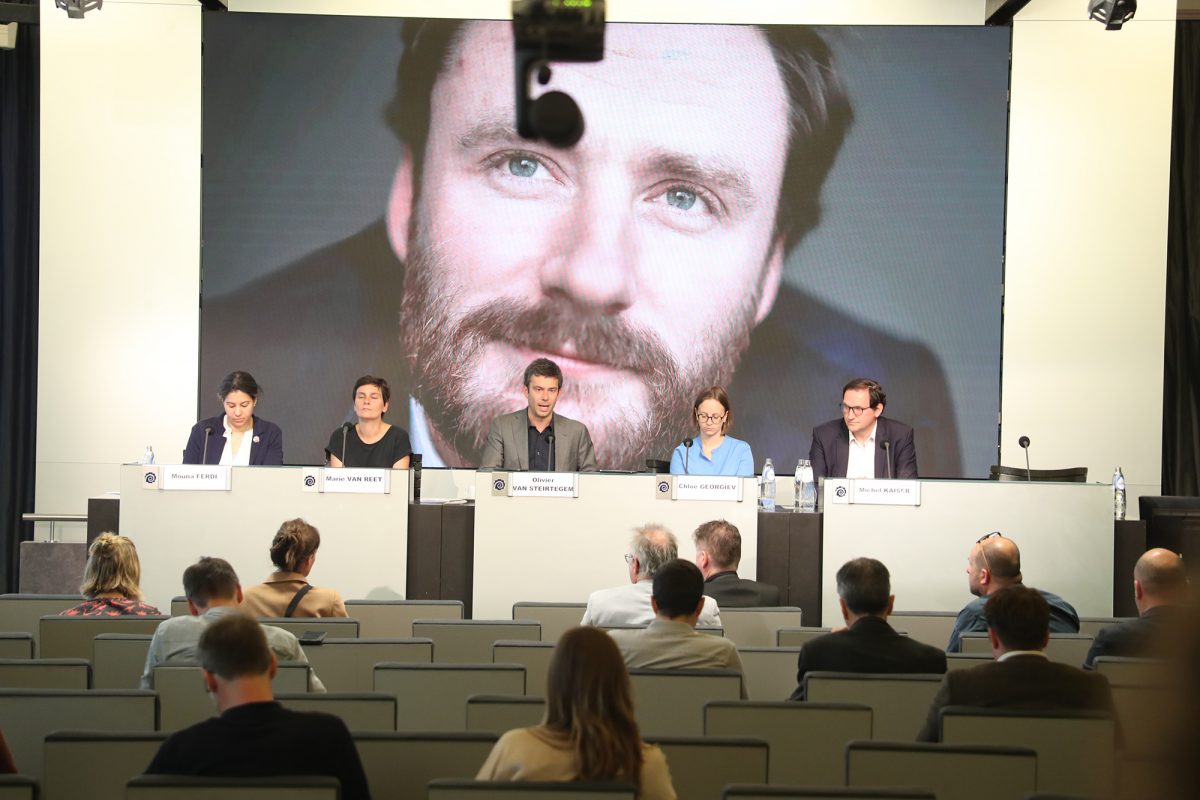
point(710, 417)
point(628, 558)
point(983, 550)
point(854, 411)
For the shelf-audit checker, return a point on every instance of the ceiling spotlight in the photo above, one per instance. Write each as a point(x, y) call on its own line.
point(77, 8)
point(1113, 13)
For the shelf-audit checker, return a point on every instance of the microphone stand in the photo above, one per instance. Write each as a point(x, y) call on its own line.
point(207, 433)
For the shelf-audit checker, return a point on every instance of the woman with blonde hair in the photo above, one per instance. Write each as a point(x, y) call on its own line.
point(589, 732)
point(111, 581)
point(287, 592)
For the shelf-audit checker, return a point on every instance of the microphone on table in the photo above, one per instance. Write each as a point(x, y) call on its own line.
point(345, 430)
point(887, 454)
point(207, 433)
point(550, 462)
point(1024, 442)
point(687, 451)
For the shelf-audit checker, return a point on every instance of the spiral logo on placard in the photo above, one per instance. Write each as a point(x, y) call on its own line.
point(664, 487)
point(498, 484)
point(310, 480)
point(150, 477)
point(840, 491)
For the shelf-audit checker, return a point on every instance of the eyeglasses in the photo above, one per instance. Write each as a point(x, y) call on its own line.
point(628, 558)
point(854, 411)
point(983, 550)
point(710, 417)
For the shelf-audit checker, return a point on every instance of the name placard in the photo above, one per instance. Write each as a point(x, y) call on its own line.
point(354, 480)
point(543, 484)
point(873, 492)
point(194, 478)
point(706, 487)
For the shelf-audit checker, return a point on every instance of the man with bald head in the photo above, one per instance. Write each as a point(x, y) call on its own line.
point(994, 563)
point(1160, 587)
point(629, 604)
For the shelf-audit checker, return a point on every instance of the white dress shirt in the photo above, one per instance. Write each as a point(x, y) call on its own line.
point(860, 461)
point(242, 457)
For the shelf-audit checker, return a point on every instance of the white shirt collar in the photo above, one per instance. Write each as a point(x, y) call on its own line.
point(1015, 653)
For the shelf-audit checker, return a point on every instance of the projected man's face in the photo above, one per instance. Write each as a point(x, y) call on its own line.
point(639, 260)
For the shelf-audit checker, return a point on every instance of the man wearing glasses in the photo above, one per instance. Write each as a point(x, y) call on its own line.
point(863, 443)
point(994, 563)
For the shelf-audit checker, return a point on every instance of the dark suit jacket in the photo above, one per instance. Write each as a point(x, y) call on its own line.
point(830, 449)
point(1143, 637)
point(332, 317)
point(508, 444)
point(871, 645)
point(730, 591)
point(266, 449)
point(1021, 682)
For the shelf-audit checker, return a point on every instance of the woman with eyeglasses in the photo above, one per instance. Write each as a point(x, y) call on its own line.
point(712, 452)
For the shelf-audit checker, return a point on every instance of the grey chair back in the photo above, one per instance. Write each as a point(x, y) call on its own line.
point(702, 766)
point(807, 741)
point(20, 613)
point(670, 702)
point(469, 641)
point(118, 660)
point(757, 792)
point(796, 637)
point(1075, 751)
point(758, 627)
point(348, 665)
point(1130, 670)
point(332, 627)
point(930, 627)
point(536, 790)
point(71, 637)
point(433, 697)
point(399, 765)
point(769, 672)
point(179, 607)
point(1067, 475)
point(95, 765)
point(1064, 648)
point(27, 715)
point(16, 645)
point(190, 787)
point(952, 772)
point(18, 787)
point(534, 656)
point(392, 619)
point(966, 660)
point(899, 703)
point(1093, 625)
point(45, 673)
point(555, 618)
point(361, 711)
point(184, 700)
point(497, 713)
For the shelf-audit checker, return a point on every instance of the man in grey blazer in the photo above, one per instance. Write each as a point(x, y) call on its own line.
point(535, 438)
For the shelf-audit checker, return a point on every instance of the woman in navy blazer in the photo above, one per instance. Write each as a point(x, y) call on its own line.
point(226, 433)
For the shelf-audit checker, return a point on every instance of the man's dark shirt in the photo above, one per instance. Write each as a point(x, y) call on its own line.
point(1143, 637)
point(539, 449)
point(730, 591)
point(869, 646)
point(264, 739)
point(320, 322)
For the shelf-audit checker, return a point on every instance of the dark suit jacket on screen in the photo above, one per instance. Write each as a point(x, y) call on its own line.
point(730, 591)
point(830, 450)
point(266, 448)
point(508, 444)
point(332, 317)
point(871, 645)
point(1026, 682)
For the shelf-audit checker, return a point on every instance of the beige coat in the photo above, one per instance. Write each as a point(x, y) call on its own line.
point(271, 597)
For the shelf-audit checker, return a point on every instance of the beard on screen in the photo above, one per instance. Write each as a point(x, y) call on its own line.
point(461, 400)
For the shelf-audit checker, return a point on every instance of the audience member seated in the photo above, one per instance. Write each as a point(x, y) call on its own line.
point(287, 592)
point(671, 640)
point(254, 736)
point(213, 592)
point(111, 581)
point(718, 553)
point(1021, 677)
point(652, 546)
point(589, 732)
point(867, 643)
point(994, 563)
point(1160, 589)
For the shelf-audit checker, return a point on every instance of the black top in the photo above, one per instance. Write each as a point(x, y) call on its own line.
point(1143, 637)
point(540, 448)
point(394, 446)
point(261, 740)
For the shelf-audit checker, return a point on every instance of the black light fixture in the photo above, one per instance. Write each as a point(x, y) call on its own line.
point(1113, 13)
point(77, 8)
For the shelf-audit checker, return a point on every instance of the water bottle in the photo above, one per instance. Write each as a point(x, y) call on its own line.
point(766, 487)
point(1118, 494)
point(806, 487)
point(148, 456)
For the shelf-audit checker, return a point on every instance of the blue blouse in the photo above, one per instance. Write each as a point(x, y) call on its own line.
point(730, 457)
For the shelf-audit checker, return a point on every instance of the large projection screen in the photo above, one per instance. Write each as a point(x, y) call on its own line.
point(777, 210)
